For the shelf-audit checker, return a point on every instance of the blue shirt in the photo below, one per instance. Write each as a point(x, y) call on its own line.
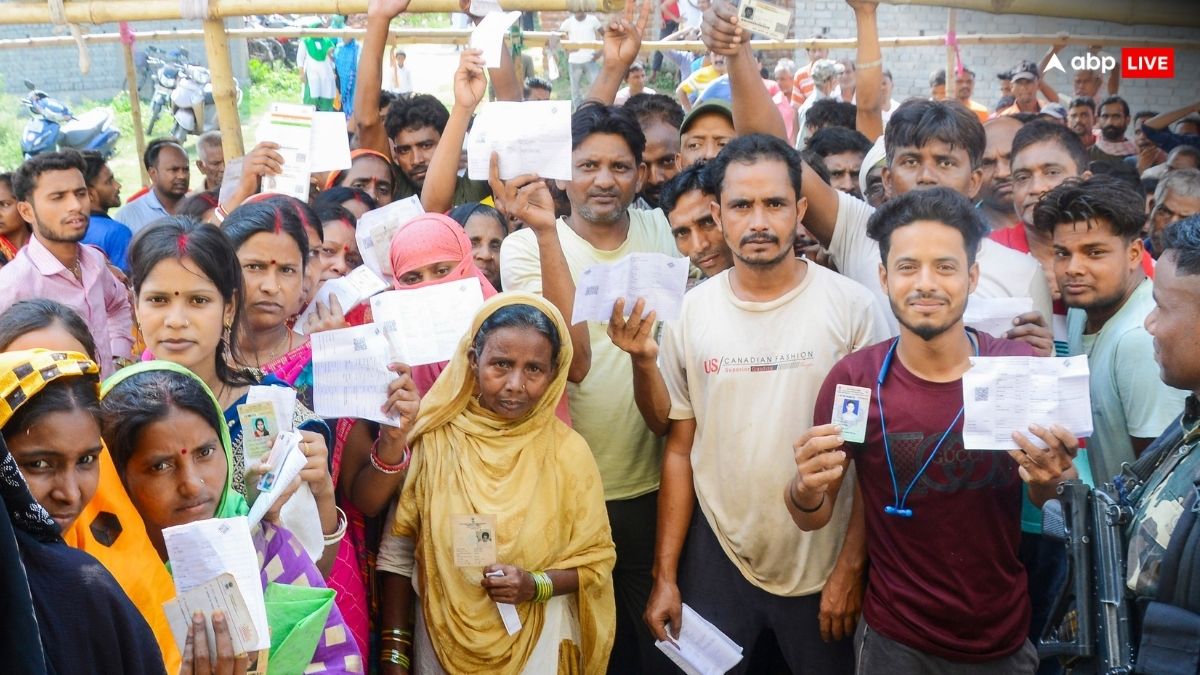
point(345, 62)
point(111, 237)
point(1169, 140)
point(142, 211)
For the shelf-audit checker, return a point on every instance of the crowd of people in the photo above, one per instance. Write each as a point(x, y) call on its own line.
point(835, 237)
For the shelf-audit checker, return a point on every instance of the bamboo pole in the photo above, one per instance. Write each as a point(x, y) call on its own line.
point(216, 46)
point(111, 11)
point(1128, 12)
point(951, 61)
point(135, 110)
point(539, 39)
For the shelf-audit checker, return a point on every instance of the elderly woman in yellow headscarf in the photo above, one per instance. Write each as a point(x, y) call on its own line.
point(504, 504)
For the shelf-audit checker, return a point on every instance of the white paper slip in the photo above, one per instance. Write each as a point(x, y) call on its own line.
point(330, 144)
point(349, 290)
point(301, 517)
point(764, 18)
point(488, 36)
point(484, 7)
point(350, 375)
point(375, 231)
point(223, 594)
point(289, 125)
point(994, 316)
point(204, 550)
point(283, 398)
point(231, 178)
point(529, 136)
point(1003, 394)
point(660, 279)
point(424, 325)
point(701, 649)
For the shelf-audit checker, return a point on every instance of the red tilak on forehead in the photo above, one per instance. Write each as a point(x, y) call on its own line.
point(346, 249)
point(183, 451)
point(182, 243)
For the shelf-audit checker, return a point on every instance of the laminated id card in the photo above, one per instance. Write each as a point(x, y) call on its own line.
point(850, 406)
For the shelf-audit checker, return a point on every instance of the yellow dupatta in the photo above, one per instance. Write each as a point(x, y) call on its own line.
point(108, 528)
point(539, 479)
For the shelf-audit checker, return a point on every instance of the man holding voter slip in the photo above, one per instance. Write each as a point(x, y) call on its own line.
point(946, 591)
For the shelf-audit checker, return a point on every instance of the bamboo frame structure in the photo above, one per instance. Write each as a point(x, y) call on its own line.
point(135, 109)
point(109, 11)
point(541, 38)
point(216, 46)
point(951, 55)
point(1128, 12)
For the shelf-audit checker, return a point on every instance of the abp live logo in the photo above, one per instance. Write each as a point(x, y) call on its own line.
point(1147, 62)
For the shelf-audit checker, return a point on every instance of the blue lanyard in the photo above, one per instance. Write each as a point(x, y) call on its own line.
point(899, 506)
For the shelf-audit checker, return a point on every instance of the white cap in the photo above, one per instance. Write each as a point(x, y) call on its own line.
point(875, 156)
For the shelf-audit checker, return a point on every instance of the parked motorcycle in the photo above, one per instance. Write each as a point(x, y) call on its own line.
point(192, 94)
point(53, 127)
point(166, 75)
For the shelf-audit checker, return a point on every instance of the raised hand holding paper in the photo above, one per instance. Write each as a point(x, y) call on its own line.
point(531, 137)
point(349, 290)
point(488, 36)
point(994, 316)
point(1003, 394)
point(424, 325)
point(350, 375)
point(290, 126)
point(660, 279)
point(375, 231)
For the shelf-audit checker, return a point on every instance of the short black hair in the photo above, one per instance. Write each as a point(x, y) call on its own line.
point(198, 204)
point(938, 78)
point(1041, 131)
point(63, 394)
point(6, 178)
point(649, 107)
point(836, 140)
point(1098, 198)
point(93, 162)
point(1122, 171)
point(340, 194)
point(1183, 239)
point(1116, 99)
point(415, 111)
point(464, 212)
point(829, 112)
point(1083, 101)
point(691, 178)
point(748, 150)
point(519, 315)
point(155, 147)
point(816, 163)
point(597, 118)
point(918, 121)
point(25, 178)
point(27, 316)
point(533, 82)
point(939, 204)
point(1145, 114)
point(334, 212)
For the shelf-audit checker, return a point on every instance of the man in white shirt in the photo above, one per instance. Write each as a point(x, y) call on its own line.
point(728, 362)
point(582, 27)
point(546, 257)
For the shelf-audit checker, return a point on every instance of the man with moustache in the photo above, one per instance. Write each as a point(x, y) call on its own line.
point(1176, 197)
point(996, 201)
point(167, 164)
point(738, 564)
point(660, 117)
point(1081, 119)
point(104, 192)
point(53, 195)
point(1112, 146)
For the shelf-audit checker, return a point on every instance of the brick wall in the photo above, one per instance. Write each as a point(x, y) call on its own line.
point(56, 69)
point(912, 66)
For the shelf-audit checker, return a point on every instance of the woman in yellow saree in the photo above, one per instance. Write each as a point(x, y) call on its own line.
point(500, 487)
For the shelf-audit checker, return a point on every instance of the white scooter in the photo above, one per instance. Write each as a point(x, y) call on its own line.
point(193, 97)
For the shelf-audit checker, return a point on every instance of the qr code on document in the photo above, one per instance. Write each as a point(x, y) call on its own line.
point(981, 394)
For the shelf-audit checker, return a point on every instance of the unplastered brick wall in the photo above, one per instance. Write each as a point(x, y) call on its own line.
point(912, 66)
point(56, 69)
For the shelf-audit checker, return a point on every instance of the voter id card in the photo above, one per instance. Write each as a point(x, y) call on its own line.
point(850, 407)
point(764, 18)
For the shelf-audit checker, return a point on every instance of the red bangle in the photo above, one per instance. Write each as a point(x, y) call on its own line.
point(384, 467)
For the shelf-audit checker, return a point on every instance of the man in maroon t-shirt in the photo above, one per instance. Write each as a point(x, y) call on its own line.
point(946, 590)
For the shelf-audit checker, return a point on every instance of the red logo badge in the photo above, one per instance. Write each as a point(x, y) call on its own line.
point(1147, 62)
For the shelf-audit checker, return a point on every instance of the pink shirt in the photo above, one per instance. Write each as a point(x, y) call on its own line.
point(100, 299)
